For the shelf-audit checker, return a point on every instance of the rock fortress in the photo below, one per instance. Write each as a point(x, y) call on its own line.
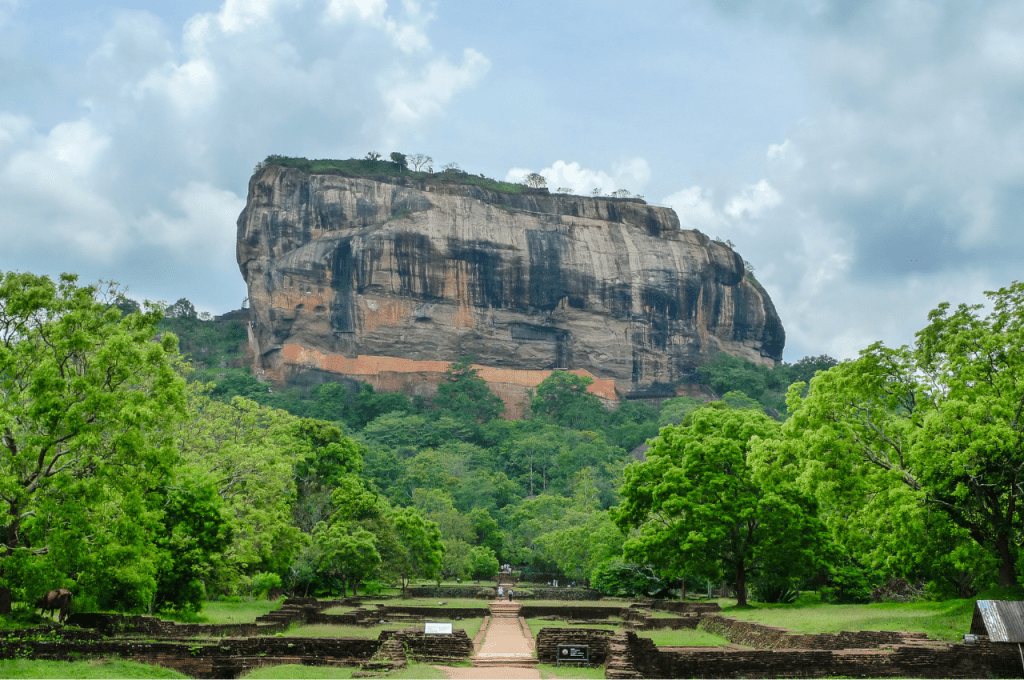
point(390, 278)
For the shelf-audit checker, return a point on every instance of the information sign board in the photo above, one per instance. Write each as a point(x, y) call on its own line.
point(437, 628)
point(573, 653)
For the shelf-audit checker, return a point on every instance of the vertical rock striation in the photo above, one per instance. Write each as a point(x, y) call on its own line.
point(429, 271)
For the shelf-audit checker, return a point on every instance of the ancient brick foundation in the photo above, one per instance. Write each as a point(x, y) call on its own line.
point(750, 634)
point(984, 659)
point(489, 593)
point(597, 640)
point(571, 612)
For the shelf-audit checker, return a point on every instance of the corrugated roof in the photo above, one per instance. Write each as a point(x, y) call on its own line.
point(1000, 620)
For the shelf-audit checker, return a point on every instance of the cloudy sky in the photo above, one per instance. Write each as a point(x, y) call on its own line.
point(867, 157)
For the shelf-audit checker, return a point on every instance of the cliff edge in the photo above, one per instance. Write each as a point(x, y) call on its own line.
point(341, 268)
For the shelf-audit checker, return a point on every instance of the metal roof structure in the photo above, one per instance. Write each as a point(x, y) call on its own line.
point(1000, 620)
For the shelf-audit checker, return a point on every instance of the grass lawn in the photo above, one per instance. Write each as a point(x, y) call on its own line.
point(471, 626)
point(292, 670)
point(236, 612)
point(947, 620)
point(536, 624)
point(94, 668)
point(449, 603)
point(418, 670)
point(683, 638)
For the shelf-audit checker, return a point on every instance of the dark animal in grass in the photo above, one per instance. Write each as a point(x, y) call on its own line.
point(55, 601)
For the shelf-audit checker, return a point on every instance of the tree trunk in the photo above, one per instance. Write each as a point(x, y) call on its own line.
point(741, 584)
point(682, 589)
point(1007, 571)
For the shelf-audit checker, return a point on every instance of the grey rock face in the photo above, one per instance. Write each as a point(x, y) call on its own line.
point(432, 271)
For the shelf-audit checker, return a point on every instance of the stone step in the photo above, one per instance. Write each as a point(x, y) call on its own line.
point(518, 660)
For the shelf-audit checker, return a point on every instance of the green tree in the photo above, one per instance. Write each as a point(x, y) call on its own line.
point(697, 507)
point(195, 533)
point(349, 554)
point(88, 398)
point(250, 452)
point(563, 398)
point(483, 562)
point(465, 395)
point(936, 426)
point(419, 548)
point(673, 411)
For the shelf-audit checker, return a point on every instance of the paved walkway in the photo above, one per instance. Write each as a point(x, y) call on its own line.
point(506, 651)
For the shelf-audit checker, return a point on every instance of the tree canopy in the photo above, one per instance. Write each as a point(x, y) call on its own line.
point(699, 505)
point(904, 435)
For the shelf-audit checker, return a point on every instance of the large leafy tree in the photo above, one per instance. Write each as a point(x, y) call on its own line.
point(563, 398)
point(250, 453)
point(899, 436)
point(463, 394)
point(86, 399)
point(417, 549)
point(698, 506)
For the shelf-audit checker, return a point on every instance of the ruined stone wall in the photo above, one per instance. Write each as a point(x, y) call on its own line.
point(548, 640)
point(984, 659)
point(751, 634)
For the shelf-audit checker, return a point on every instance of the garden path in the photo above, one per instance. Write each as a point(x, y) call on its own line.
point(507, 648)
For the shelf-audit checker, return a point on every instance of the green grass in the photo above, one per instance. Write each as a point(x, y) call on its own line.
point(95, 668)
point(947, 620)
point(471, 626)
point(683, 638)
point(573, 671)
point(291, 670)
point(228, 612)
point(365, 168)
point(418, 670)
point(449, 603)
point(536, 624)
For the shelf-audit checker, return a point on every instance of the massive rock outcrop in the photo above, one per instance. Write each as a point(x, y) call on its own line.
point(398, 270)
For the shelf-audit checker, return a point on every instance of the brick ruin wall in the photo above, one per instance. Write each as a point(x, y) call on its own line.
point(548, 640)
point(760, 636)
point(984, 659)
point(489, 593)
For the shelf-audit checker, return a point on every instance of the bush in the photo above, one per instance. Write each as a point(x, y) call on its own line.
point(849, 584)
point(774, 590)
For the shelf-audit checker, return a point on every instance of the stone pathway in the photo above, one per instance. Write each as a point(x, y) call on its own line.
point(507, 650)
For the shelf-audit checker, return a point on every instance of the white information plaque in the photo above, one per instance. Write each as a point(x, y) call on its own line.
point(437, 628)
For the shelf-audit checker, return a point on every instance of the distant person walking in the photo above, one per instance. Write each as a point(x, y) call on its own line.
point(509, 594)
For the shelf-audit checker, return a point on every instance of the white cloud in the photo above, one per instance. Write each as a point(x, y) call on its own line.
point(203, 227)
point(631, 175)
point(753, 200)
point(696, 210)
point(412, 98)
point(144, 180)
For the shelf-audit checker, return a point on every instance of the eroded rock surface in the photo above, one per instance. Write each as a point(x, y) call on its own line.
point(427, 270)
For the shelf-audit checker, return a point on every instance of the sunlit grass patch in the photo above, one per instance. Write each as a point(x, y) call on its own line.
point(291, 670)
point(93, 668)
point(947, 620)
point(231, 612)
point(536, 624)
point(685, 637)
point(471, 626)
point(418, 670)
point(444, 602)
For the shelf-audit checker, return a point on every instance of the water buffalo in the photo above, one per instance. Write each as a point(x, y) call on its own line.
point(55, 601)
